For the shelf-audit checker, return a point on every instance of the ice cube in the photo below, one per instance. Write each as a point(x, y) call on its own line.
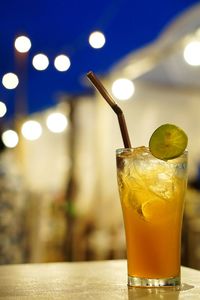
point(163, 186)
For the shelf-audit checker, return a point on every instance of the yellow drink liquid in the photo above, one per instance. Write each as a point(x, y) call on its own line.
point(152, 197)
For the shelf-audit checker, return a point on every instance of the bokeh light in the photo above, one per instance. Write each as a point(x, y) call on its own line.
point(31, 130)
point(97, 39)
point(123, 89)
point(22, 44)
point(40, 62)
point(10, 81)
point(10, 138)
point(3, 109)
point(192, 53)
point(57, 122)
point(62, 62)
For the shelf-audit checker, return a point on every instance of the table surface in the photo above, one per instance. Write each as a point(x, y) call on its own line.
point(86, 280)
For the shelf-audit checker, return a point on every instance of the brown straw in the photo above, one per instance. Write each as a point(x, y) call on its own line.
point(122, 123)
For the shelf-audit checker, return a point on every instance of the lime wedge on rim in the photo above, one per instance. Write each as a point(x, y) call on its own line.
point(168, 141)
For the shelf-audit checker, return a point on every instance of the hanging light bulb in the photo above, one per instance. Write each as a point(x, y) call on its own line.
point(40, 62)
point(192, 53)
point(10, 81)
point(3, 109)
point(56, 122)
point(22, 44)
point(10, 138)
point(62, 62)
point(97, 39)
point(31, 130)
point(123, 89)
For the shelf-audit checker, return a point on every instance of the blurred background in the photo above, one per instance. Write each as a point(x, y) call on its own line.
point(58, 192)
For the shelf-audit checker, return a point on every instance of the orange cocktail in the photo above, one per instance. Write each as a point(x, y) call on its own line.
point(152, 198)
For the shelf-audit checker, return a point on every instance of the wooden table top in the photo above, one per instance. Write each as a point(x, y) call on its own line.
point(86, 280)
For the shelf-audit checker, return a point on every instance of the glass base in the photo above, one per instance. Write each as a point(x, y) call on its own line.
point(157, 282)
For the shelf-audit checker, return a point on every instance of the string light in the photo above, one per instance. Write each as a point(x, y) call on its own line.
point(10, 138)
point(22, 44)
point(40, 62)
point(31, 130)
point(97, 39)
point(123, 89)
point(56, 122)
point(3, 109)
point(62, 63)
point(10, 81)
point(191, 53)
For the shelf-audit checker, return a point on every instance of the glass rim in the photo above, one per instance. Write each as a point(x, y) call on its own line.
point(119, 151)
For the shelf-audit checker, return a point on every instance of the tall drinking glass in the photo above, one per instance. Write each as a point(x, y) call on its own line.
point(152, 199)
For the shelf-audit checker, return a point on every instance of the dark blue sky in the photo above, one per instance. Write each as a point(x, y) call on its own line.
point(56, 27)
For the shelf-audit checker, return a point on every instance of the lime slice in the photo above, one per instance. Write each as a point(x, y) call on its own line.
point(168, 141)
point(157, 210)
